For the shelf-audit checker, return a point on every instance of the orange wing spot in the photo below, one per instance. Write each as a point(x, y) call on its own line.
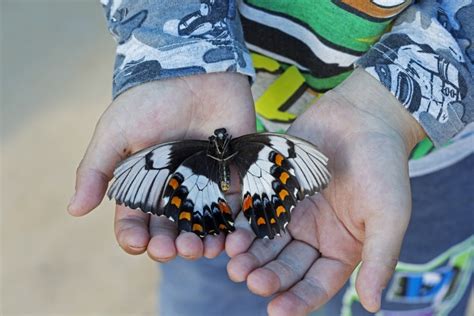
point(224, 207)
point(222, 227)
point(279, 159)
point(185, 215)
point(247, 203)
point(176, 201)
point(173, 183)
point(284, 177)
point(283, 194)
point(272, 221)
point(197, 227)
point(280, 210)
point(261, 221)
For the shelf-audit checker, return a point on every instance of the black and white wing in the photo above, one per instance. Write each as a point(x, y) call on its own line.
point(176, 180)
point(276, 172)
point(193, 198)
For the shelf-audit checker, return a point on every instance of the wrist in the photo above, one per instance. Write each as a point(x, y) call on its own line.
point(368, 95)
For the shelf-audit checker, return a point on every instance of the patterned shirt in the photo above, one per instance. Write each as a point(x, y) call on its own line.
point(421, 51)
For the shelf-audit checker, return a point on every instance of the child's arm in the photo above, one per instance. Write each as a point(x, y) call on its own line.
point(181, 71)
point(426, 61)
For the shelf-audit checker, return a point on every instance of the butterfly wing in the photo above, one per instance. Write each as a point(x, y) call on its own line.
point(176, 180)
point(193, 197)
point(139, 179)
point(276, 172)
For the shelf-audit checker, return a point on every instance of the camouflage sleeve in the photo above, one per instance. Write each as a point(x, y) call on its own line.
point(426, 61)
point(160, 39)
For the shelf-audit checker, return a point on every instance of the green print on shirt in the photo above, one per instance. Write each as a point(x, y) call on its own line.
point(329, 21)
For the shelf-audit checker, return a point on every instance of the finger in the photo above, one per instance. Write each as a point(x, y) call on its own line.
point(280, 274)
point(241, 239)
point(325, 278)
point(189, 246)
point(213, 245)
point(105, 150)
point(131, 229)
point(380, 253)
point(163, 232)
point(261, 252)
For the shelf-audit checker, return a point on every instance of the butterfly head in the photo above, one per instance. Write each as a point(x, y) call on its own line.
point(220, 141)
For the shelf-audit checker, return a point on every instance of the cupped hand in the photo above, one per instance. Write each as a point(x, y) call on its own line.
point(361, 216)
point(157, 112)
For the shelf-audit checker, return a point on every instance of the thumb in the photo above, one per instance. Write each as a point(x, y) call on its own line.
point(384, 236)
point(105, 150)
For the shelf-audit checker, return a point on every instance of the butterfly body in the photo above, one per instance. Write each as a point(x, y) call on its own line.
point(219, 150)
point(186, 180)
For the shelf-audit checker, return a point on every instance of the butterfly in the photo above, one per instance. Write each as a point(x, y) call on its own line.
point(186, 181)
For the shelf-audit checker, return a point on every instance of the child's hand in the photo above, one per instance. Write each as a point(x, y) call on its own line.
point(362, 215)
point(152, 113)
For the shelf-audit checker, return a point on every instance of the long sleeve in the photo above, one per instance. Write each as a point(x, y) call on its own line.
point(426, 61)
point(160, 39)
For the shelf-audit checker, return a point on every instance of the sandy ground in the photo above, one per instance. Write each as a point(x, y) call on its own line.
point(56, 61)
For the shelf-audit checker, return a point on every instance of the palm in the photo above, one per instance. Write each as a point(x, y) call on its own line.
point(177, 109)
point(316, 223)
point(331, 233)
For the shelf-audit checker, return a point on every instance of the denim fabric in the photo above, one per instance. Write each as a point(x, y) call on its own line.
point(203, 288)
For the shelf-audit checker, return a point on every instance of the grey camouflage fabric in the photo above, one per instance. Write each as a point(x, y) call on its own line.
point(426, 61)
point(167, 39)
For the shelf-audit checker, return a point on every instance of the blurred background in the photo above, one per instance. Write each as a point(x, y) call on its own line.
point(56, 66)
point(55, 70)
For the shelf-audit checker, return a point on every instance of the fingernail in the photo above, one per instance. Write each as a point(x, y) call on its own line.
point(71, 202)
point(378, 297)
